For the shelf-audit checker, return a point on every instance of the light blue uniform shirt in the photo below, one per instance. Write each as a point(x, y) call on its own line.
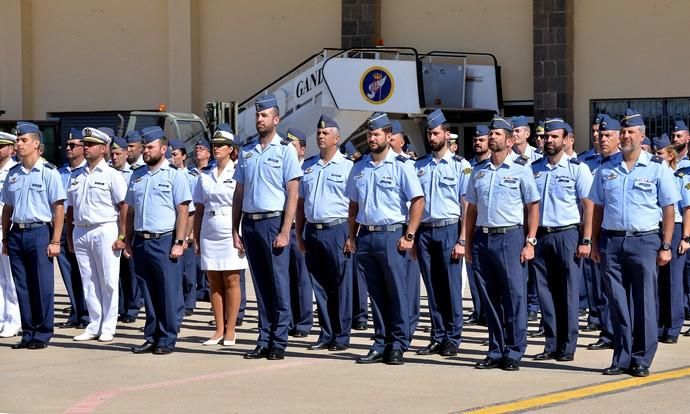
point(561, 188)
point(633, 199)
point(444, 182)
point(323, 188)
point(155, 195)
point(682, 176)
point(382, 191)
point(126, 172)
point(473, 162)
point(500, 193)
point(31, 193)
point(684, 162)
point(586, 154)
point(531, 154)
point(265, 174)
point(66, 173)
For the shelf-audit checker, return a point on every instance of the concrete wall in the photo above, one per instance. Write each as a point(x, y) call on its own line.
point(501, 27)
point(244, 45)
point(623, 51)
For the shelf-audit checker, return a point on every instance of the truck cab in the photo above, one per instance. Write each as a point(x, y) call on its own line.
point(188, 128)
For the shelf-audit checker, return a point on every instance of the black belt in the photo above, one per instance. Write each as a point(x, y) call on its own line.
point(385, 227)
point(623, 233)
point(262, 216)
point(146, 235)
point(25, 226)
point(556, 229)
point(498, 230)
point(439, 223)
point(321, 226)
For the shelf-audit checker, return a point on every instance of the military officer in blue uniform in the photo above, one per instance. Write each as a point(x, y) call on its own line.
point(264, 204)
point(131, 297)
point(399, 145)
point(564, 184)
point(203, 160)
point(134, 148)
point(158, 198)
point(322, 211)
point(379, 188)
point(32, 220)
point(67, 261)
point(498, 193)
point(539, 137)
point(683, 179)
point(301, 292)
point(480, 147)
point(10, 321)
point(630, 192)
point(680, 140)
point(440, 243)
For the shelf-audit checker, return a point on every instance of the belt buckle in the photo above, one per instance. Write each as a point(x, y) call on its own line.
point(147, 236)
point(319, 226)
point(485, 230)
point(549, 229)
point(371, 228)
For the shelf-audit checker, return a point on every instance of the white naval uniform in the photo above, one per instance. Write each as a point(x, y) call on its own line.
point(94, 197)
point(215, 193)
point(9, 305)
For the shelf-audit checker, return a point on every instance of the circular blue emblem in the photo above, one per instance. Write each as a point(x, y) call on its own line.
point(377, 85)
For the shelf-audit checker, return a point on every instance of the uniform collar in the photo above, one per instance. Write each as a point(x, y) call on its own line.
point(643, 159)
point(99, 167)
point(277, 140)
point(508, 162)
point(528, 151)
point(337, 159)
point(563, 162)
point(164, 166)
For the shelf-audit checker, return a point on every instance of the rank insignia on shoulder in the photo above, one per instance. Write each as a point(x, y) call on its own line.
point(194, 173)
point(420, 173)
point(247, 155)
point(50, 165)
point(135, 167)
point(457, 158)
point(467, 171)
point(657, 159)
point(575, 161)
point(15, 166)
point(687, 186)
point(401, 158)
point(522, 160)
point(679, 173)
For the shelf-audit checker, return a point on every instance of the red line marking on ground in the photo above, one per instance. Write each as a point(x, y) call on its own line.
point(96, 399)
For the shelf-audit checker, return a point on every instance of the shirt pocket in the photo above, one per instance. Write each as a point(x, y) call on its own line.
point(564, 188)
point(509, 186)
point(273, 162)
point(336, 180)
point(643, 192)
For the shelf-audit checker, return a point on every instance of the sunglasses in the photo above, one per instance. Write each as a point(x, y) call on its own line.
point(73, 145)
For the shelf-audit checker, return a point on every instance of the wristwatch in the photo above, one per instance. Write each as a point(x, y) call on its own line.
point(121, 237)
point(409, 236)
point(686, 239)
point(179, 242)
point(665, 247)
point(531, 240)
point(461, 242)
point(585, 242)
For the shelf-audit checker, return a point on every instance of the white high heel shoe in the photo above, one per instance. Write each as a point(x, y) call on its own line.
point(9, 332)
point(228, 342)
point(213, 341)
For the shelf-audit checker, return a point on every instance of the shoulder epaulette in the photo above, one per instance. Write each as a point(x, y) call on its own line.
point(205, 169)
point(195, 173)
point(591, 156)
point(522, 160)
point(657, 159)
point(135, 167)
point(401, 158)
point(249, 143)
point(458, 158)
point(575, 161)
point(50, 165)
point(313, 156)
point(15, 166)
point(355, 159)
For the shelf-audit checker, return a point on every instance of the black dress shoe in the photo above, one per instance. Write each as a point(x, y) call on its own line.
point(145, 348)
point(37, 345)
point(128, 319)
point(162, 350)
point(372, 357)
point(510, 364)
point(432, 348)
point(258, 353)
point(318, 346)
point(67, 310)
point(591, 327)
point(485, 342)
point(21, 345)
point(338, 347)
point(487, 363)
point(668, 339)
point(613, 370)
point(360, 326)
point(687, 315)
point(395, 358)
point(637, 370)
point(449, 349)
point(687, 333)
point(565, 357)
point(532, 316)
point(238, 322)
point(81, 325)
point(600, 344)
point(276, 354)
point(536, 334)
point(298, 334)
point(188, 312)
point(471, 320)
point(544, 356)
point(65, 325)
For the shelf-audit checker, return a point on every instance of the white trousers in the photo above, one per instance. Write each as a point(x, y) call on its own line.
point(9, 305)
point(100, 271)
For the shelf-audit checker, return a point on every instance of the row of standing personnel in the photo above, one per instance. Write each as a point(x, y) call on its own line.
point(359, 212)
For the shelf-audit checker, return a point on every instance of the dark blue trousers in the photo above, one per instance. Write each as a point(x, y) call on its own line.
point(589, 270)
point(533, 304)
point(331, 272)
point(163, 279)
point(270, 269)
point(441, 275)
point(631, 285)
point(32, 271)
point(671, 310)
point(385, 269)
point(503, 286)
point(301, 292)
point(558, 278)
point(478, 310)
point(243, 294)
point(202, 292)
point(69, 269)
point(360, 295)
point(188, 266)
point(131, 295)
point(413, 279)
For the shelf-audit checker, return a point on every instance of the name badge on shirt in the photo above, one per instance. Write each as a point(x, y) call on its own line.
point(386, 180)
point(228, 181)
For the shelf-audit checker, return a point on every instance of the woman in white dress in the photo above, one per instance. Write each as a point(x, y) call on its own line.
point(213, 236)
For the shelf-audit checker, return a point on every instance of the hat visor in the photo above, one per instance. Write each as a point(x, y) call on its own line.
point(93, 139)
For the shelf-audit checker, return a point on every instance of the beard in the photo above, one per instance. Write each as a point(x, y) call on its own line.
point(152, 160)
point(437, 146)
point(378, 149)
